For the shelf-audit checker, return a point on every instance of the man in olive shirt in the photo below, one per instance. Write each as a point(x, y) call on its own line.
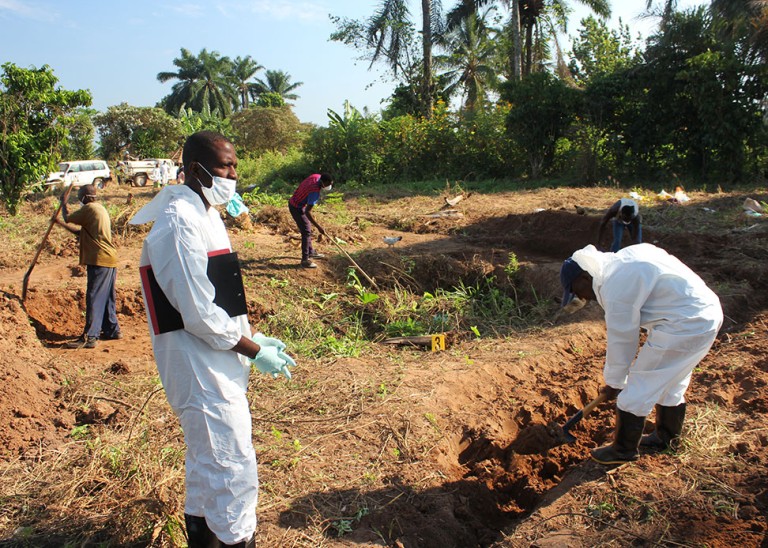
point(100, 258)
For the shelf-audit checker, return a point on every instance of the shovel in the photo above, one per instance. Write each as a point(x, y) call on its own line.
point(567, 437)
point(354, 263)
point(40, 247)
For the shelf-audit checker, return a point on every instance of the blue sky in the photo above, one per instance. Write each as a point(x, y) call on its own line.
point(115, 48)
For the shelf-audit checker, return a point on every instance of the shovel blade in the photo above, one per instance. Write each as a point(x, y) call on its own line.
point(568, 437)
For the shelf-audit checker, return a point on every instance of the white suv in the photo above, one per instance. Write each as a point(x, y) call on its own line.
point(81, 172)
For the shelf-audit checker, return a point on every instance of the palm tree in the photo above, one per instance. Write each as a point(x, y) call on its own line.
point(426, 41)
point(277, 81)
point(470, 59)
point(202, 80)
point(747, 18)
point(532, 12)
point(389, 35)
point(527, 16)
point(243, 69)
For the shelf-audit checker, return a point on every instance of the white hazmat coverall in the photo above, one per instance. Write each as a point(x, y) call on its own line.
point(644, 286)
point(204, 380)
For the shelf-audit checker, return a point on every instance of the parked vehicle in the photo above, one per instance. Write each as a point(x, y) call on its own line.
point(81, 172)
point(139, 172)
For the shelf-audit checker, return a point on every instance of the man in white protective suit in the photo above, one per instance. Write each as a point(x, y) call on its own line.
point(202, 342)
point(643, 286)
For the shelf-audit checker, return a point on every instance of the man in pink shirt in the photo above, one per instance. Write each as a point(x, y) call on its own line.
point(300, 205)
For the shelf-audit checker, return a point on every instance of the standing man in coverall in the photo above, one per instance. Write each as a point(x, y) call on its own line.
point(625, 215)
point(204, 364)
point(99, 256)
point(643, 286)
point(300, 206)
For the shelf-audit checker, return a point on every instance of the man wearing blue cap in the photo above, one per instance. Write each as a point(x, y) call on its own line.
point(643, 286)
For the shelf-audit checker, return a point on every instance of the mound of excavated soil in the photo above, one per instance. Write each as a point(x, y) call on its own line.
point(32, 417)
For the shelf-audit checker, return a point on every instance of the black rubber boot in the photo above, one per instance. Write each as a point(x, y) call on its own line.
point(629, 430)
point(669, 425)
point(251, 543)
point(198, 533)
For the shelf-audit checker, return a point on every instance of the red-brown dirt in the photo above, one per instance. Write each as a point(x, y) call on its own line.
point(402, 447)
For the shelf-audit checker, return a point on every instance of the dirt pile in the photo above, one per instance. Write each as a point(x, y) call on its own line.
point(33, 418)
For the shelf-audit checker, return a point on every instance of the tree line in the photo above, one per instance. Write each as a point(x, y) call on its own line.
point(482, 90)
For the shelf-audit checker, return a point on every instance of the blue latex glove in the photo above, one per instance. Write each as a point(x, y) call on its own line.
point(272, 361)
point(263, 340)
point(235, 206)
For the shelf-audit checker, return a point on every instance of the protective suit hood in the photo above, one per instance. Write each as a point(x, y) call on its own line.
point(157, 205)
point(595, 263)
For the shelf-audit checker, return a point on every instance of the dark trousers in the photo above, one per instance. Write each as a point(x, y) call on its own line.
point(618, 234)
point(305, 227)
point(100, 309)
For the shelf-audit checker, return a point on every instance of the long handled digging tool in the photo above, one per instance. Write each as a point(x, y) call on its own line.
point(354, 263)
point(567, 437)
point(40, 247)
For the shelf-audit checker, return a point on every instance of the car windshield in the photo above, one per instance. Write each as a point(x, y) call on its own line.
point(63, 166)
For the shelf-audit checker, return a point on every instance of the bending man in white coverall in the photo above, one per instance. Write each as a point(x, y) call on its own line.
point(643, 286)
point(204, 364)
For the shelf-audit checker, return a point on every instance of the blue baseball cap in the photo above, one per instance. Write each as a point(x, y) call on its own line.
point(568, 274)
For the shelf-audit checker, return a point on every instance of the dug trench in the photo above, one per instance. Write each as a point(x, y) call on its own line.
point(463, 446)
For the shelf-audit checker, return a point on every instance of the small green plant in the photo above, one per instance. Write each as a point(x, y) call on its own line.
point(578, 350)
point(342, 526)
point(513, 265)
point(80, 432)
point(370, 477)
point(173, 529)
point(431, 419)
point(278, 283)
point(172, 455)
point(475, 331)
point(277, 434)
point(113, 457)
point(365, 296)
point(600, 509)
point(404, 328)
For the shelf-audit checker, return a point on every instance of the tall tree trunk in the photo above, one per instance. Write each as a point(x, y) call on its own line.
point(528, 49)
point(426, 22)
point(517, 42)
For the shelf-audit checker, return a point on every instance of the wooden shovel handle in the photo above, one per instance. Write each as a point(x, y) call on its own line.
point(601, 397)
point(45, 239)
point(586, 410)
point(351, 260)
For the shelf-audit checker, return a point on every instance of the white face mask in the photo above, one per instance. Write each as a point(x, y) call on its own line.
point(327, 188)
point(221, 190)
